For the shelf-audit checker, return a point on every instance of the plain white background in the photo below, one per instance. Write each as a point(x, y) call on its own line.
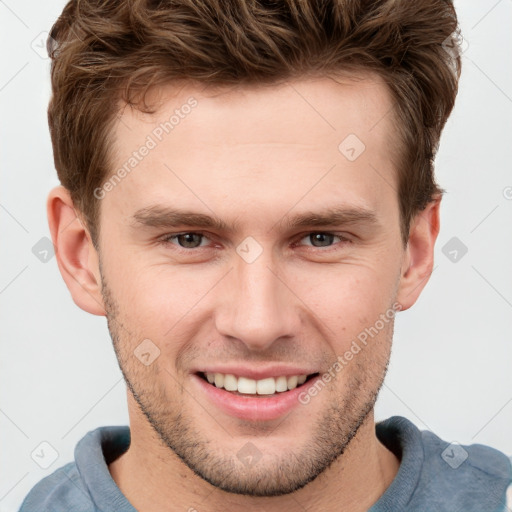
point(451, 366)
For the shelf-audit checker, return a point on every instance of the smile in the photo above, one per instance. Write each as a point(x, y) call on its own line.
point(247, 386)
point(253, 394)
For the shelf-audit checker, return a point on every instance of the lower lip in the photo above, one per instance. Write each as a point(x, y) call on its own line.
point(260, 408)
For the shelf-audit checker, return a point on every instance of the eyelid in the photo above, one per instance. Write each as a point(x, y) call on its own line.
point(167, 238)
point(343, 236)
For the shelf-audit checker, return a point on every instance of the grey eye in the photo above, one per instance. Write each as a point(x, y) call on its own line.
point(189, 240)
point(321, 239)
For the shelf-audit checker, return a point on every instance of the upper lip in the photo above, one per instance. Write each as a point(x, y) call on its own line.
point(256, 373)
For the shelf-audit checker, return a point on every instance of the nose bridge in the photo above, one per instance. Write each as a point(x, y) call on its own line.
point(259, 306)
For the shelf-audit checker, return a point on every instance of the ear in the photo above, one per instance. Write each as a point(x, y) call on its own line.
point(76, 256)
point(418, 260)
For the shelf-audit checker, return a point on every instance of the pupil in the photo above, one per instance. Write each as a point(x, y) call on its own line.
point(189, 239)
point(318, 237)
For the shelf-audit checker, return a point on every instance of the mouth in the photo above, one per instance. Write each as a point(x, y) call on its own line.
point(267, 387)
point(254, 396)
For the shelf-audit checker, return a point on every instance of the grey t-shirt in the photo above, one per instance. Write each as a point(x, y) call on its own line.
point(434, 475)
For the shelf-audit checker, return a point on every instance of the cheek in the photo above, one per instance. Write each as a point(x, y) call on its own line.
point(157, 301)
point(348, 296)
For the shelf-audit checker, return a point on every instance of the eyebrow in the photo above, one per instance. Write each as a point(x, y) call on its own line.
point(166, 217)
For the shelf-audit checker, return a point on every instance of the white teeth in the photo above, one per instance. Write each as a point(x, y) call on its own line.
point(301, 379)
point(281, 384)
point(292, 382)
point(219, 380)
point(230, 382)
point(267, 386)
point(246, 385)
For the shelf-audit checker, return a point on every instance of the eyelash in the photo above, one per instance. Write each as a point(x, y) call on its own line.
point(167, 240)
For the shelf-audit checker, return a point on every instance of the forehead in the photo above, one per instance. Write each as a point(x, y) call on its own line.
point(303, 141)
point(342, 103)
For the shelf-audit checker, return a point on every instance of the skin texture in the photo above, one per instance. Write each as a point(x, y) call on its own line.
point(255, 156)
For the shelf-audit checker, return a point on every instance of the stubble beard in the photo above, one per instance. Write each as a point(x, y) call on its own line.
point(273, 474)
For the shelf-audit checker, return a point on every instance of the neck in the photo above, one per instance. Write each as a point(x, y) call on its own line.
point(151, 477)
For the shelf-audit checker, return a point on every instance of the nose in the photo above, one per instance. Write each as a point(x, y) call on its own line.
point(258, 306)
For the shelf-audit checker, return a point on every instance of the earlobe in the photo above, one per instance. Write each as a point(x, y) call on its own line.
point(76, 256)
point(418, 260)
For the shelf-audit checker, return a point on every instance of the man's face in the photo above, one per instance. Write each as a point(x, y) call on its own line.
point(259, 297)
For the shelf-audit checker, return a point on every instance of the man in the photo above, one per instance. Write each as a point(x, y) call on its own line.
point(248, 197)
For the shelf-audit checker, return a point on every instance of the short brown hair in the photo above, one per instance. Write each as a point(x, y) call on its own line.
point(104, 51)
